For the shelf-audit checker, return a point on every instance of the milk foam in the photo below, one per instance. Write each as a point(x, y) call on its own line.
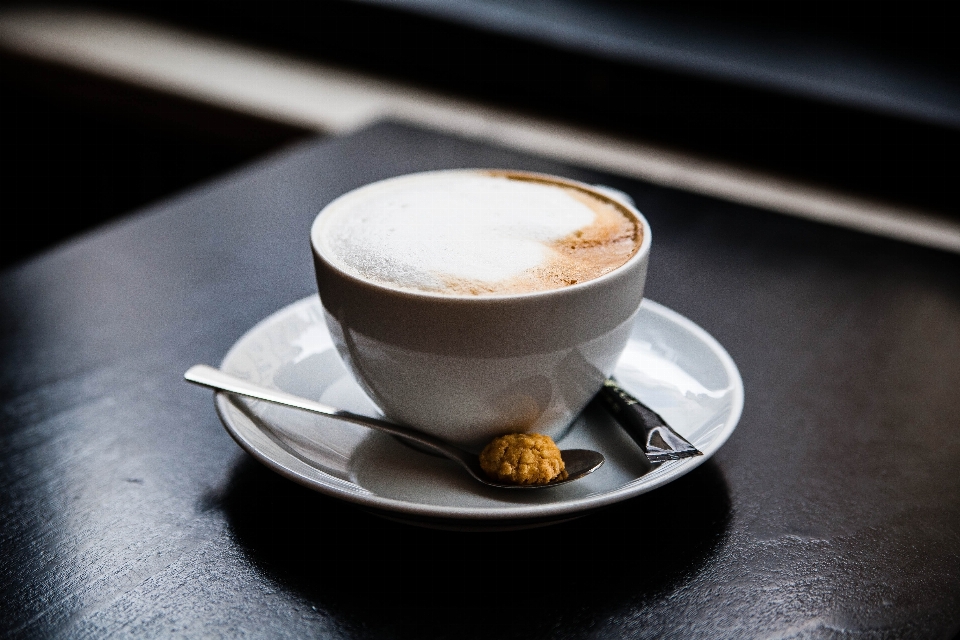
point(457, 232)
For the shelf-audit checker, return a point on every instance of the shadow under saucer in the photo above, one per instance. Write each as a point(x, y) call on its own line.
point(415, 580)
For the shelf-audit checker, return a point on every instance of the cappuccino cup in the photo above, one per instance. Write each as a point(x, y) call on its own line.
point(473, 303)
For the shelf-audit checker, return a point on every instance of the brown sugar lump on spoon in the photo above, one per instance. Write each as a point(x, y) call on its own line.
point(523, 458)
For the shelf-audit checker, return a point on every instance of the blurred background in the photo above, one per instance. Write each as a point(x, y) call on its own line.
point(108, 106)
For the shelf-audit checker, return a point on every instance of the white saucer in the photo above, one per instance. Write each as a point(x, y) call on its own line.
point(671, 364)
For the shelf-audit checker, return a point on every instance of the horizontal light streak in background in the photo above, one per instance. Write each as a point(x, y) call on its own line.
point(327, 99)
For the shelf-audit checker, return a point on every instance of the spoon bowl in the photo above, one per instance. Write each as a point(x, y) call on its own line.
point(578, 462)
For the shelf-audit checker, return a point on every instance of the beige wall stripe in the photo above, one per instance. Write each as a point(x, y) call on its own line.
point(328, 99)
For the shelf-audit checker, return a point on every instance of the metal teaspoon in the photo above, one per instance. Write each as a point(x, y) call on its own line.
point(578, 462)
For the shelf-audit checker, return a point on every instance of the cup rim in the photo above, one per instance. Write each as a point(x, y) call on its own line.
point(637, 257)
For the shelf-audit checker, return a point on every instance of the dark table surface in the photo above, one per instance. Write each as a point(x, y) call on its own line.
point(126, 510)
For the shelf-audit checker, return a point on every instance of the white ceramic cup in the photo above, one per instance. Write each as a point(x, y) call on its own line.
point(469, 368)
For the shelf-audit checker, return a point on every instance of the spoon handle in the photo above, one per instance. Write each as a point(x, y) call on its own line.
point(207, 376)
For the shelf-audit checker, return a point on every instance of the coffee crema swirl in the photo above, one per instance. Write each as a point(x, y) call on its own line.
point(479, 233)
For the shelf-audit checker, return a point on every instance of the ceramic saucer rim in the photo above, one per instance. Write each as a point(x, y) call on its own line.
point(665, 473)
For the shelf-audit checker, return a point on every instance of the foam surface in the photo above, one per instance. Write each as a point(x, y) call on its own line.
point(463, 233)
